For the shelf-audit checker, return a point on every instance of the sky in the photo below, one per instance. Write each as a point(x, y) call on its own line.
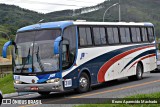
point(46, 6)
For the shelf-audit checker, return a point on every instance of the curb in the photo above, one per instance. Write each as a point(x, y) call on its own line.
point(17, 94)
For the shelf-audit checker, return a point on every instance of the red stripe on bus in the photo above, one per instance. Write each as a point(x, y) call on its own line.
point(108, 64)
point(148, 56)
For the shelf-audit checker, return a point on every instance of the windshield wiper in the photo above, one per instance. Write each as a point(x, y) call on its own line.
point(26, 59)
point(38, 60)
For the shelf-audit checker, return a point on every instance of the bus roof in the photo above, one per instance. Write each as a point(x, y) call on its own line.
point(48, 25)
point(115, 23)
point(63, 24)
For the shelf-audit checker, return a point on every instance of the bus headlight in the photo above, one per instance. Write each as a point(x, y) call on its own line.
point(53, 80)
point(17, 82)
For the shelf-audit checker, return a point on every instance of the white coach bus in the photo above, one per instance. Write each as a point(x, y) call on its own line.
point(59, 56)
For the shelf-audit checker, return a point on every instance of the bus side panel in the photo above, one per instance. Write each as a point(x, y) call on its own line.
point(108, 63)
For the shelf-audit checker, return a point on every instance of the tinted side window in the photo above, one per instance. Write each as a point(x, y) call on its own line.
point(89, 38)
point(125, 35)
point(116, 37)
point(103, 35)
point(136, 35)
point(99, 35)
point(150, 34)
point(144, 34)
point(85, 36)
point(97, 39)
point(113, 37)
point(128, 35)
point(110, 35)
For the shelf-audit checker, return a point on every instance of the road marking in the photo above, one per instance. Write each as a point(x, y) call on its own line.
point(107, 91)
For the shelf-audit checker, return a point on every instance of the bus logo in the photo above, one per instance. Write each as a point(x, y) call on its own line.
point(52, 76)
point(82, 55)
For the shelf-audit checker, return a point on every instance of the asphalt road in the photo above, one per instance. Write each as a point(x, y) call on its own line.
point(113, 89)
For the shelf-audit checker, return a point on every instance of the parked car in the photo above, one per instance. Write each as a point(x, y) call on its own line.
point(1, 97)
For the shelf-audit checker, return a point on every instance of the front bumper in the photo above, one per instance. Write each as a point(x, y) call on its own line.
point(45, 87)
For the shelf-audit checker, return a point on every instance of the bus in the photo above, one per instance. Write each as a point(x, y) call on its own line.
point(74, 55)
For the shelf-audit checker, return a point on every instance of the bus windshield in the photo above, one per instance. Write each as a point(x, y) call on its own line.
point(34, 52)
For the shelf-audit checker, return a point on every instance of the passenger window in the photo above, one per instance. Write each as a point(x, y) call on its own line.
point(128, 35)
point(99, 36)
point(113, 37)
point(138, 34)
point(103, 35)
point(125, 35)
point(85, 36)
point(96, 35)
point(151, 34)
point(110, 35)
point(134, 35)
point(88, 34)
point(116, 37)
point(144, 34)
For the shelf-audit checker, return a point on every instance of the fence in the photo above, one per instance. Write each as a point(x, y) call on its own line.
point(5, 69)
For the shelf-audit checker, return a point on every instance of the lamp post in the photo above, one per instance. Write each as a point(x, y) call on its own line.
point(108, 9)
point(119, 11)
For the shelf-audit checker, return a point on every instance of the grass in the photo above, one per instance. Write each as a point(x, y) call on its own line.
point(6, 84)
point(152, 95)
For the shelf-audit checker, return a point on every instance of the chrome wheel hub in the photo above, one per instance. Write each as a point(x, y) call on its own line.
point(83, 82)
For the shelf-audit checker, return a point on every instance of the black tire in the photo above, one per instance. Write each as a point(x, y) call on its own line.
point(139, 73)
point(1, 99)
point(84, 83)
point(44, 93)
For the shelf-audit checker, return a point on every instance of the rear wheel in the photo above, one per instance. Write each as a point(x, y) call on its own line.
point(84, 83)
point(139, 73)
point(44, 93)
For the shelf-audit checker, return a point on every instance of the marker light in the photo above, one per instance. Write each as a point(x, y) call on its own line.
point(17, 82)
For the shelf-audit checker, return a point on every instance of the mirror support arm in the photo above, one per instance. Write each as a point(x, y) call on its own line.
point(56, 44)
point(5, 47)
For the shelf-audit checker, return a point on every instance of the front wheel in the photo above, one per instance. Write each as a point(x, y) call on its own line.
point(84, 83)
point(44, 93)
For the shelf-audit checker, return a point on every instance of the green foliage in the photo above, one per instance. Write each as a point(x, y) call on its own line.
point(13, 17)
point(6, 84)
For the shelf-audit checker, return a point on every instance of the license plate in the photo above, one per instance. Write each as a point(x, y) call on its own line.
point(34, 88)
point(68, 82)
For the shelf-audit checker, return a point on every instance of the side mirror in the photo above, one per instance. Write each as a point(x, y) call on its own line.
point(5, 47)
point(56, 45)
